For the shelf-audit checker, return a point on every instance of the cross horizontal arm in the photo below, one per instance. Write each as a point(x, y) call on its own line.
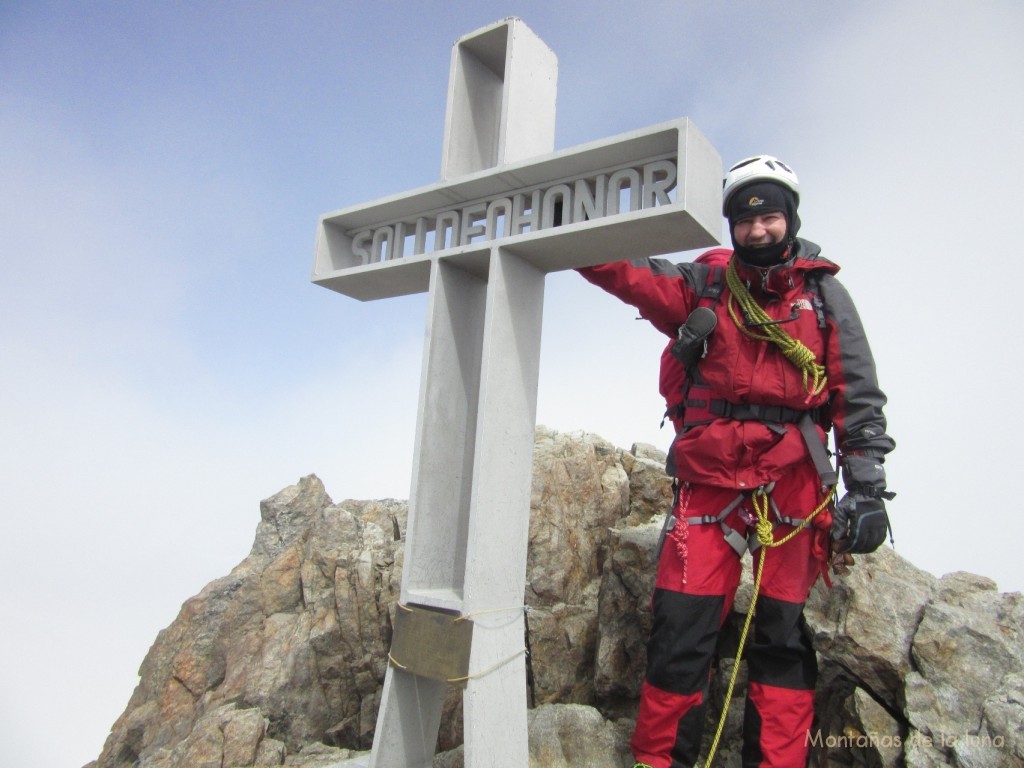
point(644, 193)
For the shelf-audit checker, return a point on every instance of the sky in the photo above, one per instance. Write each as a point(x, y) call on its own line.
point(167, 363)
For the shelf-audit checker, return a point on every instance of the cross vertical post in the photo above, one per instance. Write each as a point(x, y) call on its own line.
point(507, 211)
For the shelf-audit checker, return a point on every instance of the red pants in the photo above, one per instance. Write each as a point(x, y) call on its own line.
point(689, 614)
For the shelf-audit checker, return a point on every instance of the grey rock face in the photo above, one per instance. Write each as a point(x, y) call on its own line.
point(281, 662)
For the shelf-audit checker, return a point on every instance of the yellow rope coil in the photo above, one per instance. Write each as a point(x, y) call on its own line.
point(766, 538)
point(814, 378)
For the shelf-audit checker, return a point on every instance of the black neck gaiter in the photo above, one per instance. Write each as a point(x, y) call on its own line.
point(768, 256)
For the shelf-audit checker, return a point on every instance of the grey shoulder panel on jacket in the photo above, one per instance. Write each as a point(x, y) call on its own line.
point(690, 271)
point(865, 420)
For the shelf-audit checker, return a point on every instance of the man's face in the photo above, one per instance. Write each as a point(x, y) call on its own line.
point(760, 231)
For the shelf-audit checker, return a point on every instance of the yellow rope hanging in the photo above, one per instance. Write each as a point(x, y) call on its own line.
point(795, 351)
point(766, 539)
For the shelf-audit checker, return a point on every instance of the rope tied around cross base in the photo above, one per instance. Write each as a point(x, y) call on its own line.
point(814, 378)
point(766, 538)
point(474, 675)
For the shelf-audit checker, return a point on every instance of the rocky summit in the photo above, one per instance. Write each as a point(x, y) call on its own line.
point(281, 662)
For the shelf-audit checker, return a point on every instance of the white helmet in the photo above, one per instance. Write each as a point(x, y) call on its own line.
point(762, 167)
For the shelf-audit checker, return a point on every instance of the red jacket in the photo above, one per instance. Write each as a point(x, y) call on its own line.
point(738, 369)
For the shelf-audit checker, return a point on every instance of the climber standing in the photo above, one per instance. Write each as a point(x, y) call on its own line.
point(771, 358)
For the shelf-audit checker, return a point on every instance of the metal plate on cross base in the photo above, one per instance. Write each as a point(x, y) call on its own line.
point(432, 644)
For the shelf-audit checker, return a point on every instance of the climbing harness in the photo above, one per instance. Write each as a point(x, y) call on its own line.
point(677, 524)
point(814, 378)
point(761, 501)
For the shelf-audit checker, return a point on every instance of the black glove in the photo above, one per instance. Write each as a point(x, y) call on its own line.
point(860, 521)
point(863, 472)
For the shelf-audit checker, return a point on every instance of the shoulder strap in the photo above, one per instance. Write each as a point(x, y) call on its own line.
point(708, 284)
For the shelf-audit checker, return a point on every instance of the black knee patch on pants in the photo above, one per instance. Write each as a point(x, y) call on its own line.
point(781, 653)
point(683, 640)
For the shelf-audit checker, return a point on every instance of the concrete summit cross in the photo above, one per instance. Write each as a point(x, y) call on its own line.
point(508, 210)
